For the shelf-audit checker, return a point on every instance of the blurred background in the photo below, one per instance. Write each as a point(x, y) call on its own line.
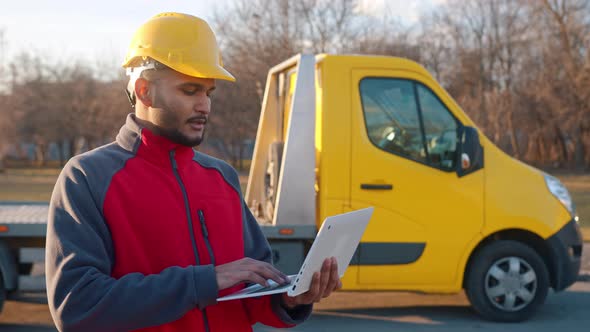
point(519, 68)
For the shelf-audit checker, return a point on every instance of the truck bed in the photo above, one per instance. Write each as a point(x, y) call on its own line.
point(23, 219)
point(29, 219)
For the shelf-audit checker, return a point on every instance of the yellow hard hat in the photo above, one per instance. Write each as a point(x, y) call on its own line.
point(182, 42)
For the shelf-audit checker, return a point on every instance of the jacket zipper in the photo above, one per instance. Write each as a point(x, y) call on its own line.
point(206, 235)
point(190, 224)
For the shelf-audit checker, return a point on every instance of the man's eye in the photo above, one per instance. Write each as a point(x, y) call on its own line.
point(189, 92)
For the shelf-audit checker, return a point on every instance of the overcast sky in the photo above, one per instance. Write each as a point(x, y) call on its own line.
point(102, 28)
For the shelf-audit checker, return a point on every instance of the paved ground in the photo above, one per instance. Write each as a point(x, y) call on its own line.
point(566, 311)
point(379, 311)
point(350, 312)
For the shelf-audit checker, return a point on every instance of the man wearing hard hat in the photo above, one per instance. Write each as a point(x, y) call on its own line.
point(145, 232)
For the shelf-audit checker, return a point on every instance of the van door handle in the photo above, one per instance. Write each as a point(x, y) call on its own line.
point(368, 186)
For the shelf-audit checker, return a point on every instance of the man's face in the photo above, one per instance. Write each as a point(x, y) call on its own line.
point(180, 106)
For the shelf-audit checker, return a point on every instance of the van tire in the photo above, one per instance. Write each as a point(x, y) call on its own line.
point(490, 290)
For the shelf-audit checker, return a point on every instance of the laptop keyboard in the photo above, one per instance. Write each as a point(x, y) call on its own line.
point(264, 289)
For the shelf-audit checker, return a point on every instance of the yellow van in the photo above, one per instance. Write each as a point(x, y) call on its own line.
point(452, 211)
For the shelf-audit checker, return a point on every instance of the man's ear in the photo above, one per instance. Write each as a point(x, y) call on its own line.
point(142, 91)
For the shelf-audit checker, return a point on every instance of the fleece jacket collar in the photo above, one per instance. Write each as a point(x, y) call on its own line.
point(156, 149)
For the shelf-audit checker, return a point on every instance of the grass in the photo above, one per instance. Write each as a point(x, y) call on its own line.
point(27, 184)
point(579, 188)
point(582, 200)
point(36, 185)
point(33, 184)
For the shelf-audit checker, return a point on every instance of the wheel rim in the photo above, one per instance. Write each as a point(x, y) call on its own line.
point(511, 284)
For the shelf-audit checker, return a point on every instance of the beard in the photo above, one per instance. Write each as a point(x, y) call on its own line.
point(168, 119)
point(177, 137)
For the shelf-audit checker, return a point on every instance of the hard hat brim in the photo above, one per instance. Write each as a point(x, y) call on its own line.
point(216, 72)
point(205, 71)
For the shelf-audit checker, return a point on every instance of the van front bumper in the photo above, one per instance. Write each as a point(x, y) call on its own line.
point(565, 248)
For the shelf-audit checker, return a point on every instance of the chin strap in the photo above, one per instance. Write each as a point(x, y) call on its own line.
point(134, 73)
point(131, 98)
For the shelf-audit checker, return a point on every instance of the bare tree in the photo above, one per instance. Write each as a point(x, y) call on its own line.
point(258, 34)
point(4, 118)
point(518, 68)
point(62, 104)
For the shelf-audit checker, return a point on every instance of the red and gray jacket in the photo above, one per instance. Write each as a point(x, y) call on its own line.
point(135, 230)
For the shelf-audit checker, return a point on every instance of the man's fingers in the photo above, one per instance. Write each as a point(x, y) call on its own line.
point(253, 277)
point(266, 270)
point(270, 272)
point(334, 279)
point(279, 277)
point(323, 283)
point(324, 279)
point(314, 289)
point(257, 273)
point(247, 270)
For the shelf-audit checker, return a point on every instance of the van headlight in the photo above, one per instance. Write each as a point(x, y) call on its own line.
point(560, 192)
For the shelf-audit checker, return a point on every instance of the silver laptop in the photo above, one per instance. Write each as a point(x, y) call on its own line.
point(338, 237)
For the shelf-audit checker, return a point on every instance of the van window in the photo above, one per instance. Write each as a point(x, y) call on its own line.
point(406, 118)
point(440, 129)
point(391, 117)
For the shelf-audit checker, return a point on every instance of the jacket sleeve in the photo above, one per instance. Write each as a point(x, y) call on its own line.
point(268, 310)
point(82, 295)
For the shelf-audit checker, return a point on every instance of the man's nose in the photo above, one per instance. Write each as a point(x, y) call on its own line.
point(203, 104)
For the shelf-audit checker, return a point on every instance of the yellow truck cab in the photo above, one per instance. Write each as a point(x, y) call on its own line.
point(452, 211)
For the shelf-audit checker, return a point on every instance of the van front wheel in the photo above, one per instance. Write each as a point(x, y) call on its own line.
point(507, 281)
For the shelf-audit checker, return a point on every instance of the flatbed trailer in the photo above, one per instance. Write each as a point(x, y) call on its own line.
point(23, 227)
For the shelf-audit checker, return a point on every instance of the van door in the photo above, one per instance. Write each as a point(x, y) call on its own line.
point(404, 148)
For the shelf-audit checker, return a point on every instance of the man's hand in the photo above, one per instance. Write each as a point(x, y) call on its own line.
point(247, 270)
point(322, 285)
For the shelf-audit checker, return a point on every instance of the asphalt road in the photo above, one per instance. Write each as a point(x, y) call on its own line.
point(381, 311)
point(566, 311)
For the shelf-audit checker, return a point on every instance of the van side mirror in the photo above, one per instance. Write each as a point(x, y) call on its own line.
point(470, 152)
